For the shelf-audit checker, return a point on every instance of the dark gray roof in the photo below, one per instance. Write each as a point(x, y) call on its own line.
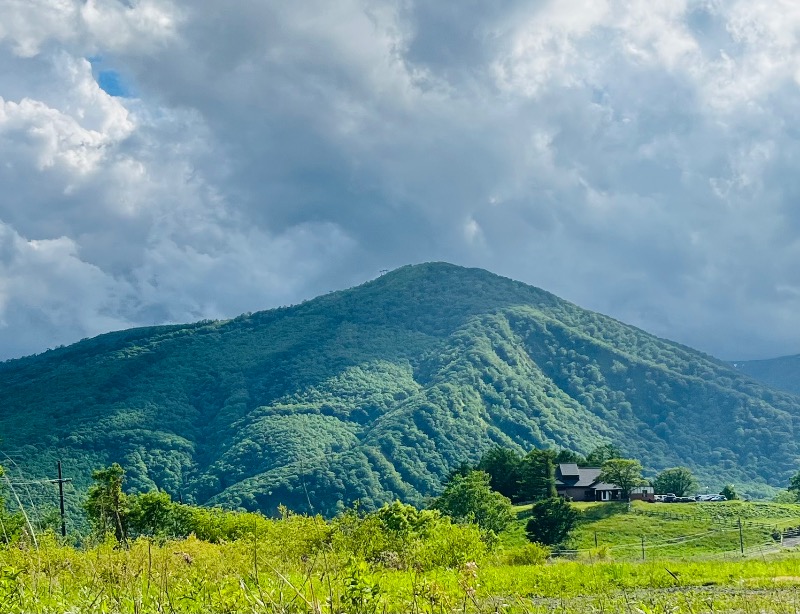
point(569, 470)
point(572, 476)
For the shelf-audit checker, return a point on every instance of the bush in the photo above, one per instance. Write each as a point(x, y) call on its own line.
point(551, 521)
point(529, 554)
point(470, 499)
point(399, 536)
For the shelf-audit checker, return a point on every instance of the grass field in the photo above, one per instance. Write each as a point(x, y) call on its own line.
point(193, 576)
point(675, 530)
point(288, 569)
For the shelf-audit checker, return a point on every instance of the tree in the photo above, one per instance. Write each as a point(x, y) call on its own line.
point(470, 499)
point(12, 525)
point(152, 513)
point(568, 456)
point(462, 469)
point(677, 480)
point(624, 472)
point(729, 492)
point(601, 454)
point(551, 521)
point(503, 467)
point(537, 476)
point(785, 496)
point(794, 486)
point(106, 505)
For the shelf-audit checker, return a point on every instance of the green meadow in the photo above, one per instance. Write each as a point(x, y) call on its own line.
point(396, 562)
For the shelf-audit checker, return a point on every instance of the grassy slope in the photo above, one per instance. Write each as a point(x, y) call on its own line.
point(376, 392)
point(670, 531)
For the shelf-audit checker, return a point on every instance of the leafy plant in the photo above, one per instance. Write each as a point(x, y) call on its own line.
point(361, 593)
point(551, 521)
point(471, 499)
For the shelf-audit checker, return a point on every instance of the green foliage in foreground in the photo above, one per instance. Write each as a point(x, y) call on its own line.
point(291, 567)
point(400, 559)
point(376, 393)
point(106, 505)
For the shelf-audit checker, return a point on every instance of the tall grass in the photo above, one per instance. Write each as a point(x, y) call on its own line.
point(288, 572)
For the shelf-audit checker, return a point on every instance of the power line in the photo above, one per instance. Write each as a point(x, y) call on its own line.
point(31, 482)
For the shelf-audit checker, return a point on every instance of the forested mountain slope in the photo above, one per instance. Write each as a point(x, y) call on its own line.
point(376, 392)
point(781, 373)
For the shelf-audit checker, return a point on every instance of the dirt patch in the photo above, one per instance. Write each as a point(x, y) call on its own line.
point(791, 542)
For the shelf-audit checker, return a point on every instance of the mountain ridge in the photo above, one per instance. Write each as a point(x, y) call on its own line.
point(376, 392)
point(781, 373)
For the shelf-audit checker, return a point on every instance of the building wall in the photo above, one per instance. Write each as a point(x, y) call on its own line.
point(577, 494)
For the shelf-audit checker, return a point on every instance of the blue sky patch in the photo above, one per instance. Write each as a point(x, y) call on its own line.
point(111, 82)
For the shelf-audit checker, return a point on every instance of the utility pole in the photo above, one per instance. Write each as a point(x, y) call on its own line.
point(741, 537)
point(60, 481)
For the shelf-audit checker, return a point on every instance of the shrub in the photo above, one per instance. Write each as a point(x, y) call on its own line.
point(529, 554)
point(551, 521)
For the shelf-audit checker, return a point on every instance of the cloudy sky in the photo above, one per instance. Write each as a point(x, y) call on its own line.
point(165, 161)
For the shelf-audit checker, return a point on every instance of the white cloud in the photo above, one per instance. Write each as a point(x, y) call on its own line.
point(635, 157)
point(87, 26)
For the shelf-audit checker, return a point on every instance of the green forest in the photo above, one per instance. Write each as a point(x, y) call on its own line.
point(377, 393)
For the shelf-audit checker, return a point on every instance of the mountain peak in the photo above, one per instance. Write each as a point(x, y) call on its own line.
point(376, 392)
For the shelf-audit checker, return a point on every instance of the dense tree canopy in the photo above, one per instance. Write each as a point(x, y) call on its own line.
point(471, 499)
point(794, 486)
point(599, 455)
point(12, 524)
point(503, 466)
point(537, 476)
point(624, 472)
point(677, 480)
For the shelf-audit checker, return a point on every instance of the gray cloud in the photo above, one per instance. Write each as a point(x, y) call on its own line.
point(637, 159)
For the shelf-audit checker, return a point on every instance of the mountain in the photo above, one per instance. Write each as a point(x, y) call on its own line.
point(780, 373)
point(377, 392)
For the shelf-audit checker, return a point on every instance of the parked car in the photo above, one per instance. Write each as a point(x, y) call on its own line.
point(684, 500)
point(711, 498)
point(670, 497)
